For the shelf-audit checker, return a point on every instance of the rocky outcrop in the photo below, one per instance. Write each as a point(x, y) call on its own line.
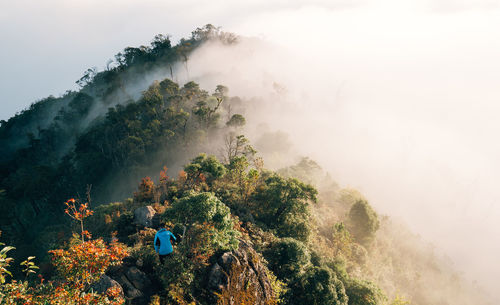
point(136, 285)
point(131, 292)
point(104, 283)
point(138, 279)
point(143, 216)
point(241, 270)
point(238, 276)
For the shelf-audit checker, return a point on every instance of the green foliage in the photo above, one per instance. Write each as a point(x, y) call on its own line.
point(124, 225)
point(204, 168)
point(237, 120)
point(5, 262)
point(29, 266)
point(362, 292)
point(338, 266)
point(359, 254)
point(306, 170)
point(205, 208)
point(342, 241)
point(146, 257)
point(349, 196)
point(58, 146)
point(176, 276)
point(363, 222)
point(200, 208)
point(282, 204)
point(295, 225)
point(287, 258)
point(108, 218)
point(182, 274)
point(318, 286)
point(237, 146)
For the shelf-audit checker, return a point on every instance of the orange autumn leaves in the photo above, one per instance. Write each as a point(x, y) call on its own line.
point(85, 262)
point(77, 267)
point(77, 214)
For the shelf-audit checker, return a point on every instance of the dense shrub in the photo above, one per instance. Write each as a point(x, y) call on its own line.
point(362, 292)
point(282, 204)
point(318, 286)
point(363, 222)
point(287, 258)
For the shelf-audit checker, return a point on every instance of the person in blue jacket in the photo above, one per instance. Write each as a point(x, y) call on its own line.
point(162, 243)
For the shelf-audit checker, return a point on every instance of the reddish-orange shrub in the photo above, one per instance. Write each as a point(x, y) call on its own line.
point(85, 262)
point(146, 190)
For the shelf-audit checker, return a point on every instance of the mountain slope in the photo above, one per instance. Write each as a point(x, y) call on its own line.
point(248, 235)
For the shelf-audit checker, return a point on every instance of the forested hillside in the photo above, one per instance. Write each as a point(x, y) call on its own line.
point(246, 234)
point(105, 136)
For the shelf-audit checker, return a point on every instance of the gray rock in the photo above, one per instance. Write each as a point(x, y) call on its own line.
point(104, 283)
point(130, 291)
point(143, 216)
point(217, 278)
point(251, 273)
point(227, 260)
point(138, 278)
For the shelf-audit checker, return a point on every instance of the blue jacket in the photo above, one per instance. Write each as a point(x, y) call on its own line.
point(162, 238)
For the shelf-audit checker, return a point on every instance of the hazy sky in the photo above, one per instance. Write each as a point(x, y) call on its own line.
point(46, 45)
point(408, 91)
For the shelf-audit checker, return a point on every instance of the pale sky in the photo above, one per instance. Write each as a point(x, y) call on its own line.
point(48, 44)
point(409, 91)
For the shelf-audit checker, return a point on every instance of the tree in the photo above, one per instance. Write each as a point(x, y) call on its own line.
point(342, 241)
point(287, 258)
point(363, 221)
point(221, 92)
point(207, 114)
point(184, 49)
point(146, 190)
point(78, 214)
point(237, 120)
point(169, 88)
point(319, 286)
point(205, 208)
point(362, 292)
point(237, 145)
point(282, 204)
point(204, 168)
point(306, 170)
point(87, 77)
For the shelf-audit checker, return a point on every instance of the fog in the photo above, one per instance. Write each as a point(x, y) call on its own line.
point(398, 99)
point(402, 107)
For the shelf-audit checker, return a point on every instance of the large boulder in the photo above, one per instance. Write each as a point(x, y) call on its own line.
point(217, 278)
point(104, 283)
point(130, 291)
point(241, 271)
point(136, 284)
point(143, 216)
point(138, 279)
